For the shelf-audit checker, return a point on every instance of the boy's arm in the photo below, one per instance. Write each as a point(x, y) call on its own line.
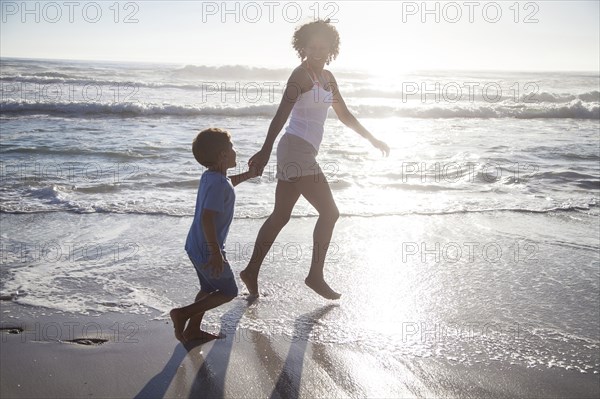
point(242, 177)
point(215, 260)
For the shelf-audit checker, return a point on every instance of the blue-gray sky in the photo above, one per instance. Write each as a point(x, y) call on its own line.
point(376, 36)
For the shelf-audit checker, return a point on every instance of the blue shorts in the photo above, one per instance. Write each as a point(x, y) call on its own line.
point(225, 283)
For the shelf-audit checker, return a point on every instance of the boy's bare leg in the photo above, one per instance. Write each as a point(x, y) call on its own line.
point(180, 316)
point(319, 195)
point(286, 195)
point(193, 331)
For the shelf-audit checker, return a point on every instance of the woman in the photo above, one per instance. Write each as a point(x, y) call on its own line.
point(309, 92)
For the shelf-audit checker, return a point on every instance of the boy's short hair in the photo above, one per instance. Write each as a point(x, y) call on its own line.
point(209, 143)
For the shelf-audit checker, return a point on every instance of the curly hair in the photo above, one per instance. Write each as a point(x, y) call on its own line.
point(321, 28)
point(208, 144)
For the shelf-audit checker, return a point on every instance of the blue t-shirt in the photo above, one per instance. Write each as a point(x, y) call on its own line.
point(216, 193)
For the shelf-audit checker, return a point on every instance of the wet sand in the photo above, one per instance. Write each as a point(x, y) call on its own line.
point(407, 325)
point(141, 359)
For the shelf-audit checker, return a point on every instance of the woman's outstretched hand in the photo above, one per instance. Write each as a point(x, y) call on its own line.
point(380, 145)
point(259, 160)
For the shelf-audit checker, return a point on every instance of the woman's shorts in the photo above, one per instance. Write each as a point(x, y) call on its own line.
point(296, 158)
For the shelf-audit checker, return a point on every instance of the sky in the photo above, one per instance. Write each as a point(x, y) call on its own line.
point(385, 36)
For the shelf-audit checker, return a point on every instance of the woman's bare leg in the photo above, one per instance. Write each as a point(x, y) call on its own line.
point(286, 195)
point(316, 190)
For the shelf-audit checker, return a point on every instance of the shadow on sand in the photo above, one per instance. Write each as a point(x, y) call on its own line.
point(208, 382)
point(287, 381)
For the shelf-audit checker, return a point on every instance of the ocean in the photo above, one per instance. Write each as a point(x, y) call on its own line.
point(476, 240)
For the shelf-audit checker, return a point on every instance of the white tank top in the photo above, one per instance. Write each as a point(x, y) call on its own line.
point(309, 114)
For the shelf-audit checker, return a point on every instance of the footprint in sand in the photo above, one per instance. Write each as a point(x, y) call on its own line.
point(12, 330)
point(87, 341)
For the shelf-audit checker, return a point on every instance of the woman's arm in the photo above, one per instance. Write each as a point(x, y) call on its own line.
point(298, 83)
point(346, 117)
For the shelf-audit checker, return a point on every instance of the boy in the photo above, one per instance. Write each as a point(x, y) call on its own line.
point(205, 242)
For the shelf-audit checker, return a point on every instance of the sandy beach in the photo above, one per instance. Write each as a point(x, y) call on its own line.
point(432, 327)
point(460, 142)
point(143, 360)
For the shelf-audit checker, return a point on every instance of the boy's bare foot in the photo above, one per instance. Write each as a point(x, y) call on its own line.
point(322, 288)
point(178, 323)
point(198, 335)
point(251, 281)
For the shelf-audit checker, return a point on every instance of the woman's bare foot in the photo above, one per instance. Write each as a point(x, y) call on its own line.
point(319, 286)
point(198, 335)
point(179, 321)
point(251, 281)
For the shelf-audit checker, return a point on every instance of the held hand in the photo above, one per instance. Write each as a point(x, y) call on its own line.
point(259, 160)
point(215, 263)
point(254, 170)
point(380, 145)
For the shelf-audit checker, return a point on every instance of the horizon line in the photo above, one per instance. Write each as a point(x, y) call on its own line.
point(344, 69)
